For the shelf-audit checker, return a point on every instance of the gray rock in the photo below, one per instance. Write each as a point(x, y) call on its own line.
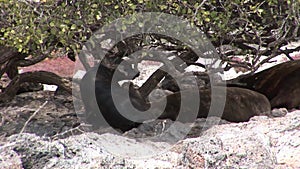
point(260, 143)
point(202, 124)
point(279, 112)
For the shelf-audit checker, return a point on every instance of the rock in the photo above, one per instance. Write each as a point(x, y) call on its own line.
point(256, 144)
point(263, 143)
point(10, 159)
point(160, 131)
point(279, 112)
point(159, 127)
point(202, 124)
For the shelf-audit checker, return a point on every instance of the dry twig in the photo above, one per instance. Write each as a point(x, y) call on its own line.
point(30, 118)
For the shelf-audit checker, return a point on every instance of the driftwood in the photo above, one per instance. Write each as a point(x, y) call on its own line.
point(37, 77)
point(11, 60)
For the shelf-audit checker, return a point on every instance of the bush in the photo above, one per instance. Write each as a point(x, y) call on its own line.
point(31, 29)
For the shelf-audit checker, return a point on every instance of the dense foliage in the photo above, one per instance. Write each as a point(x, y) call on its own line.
point(33, 29)
point(38, 27)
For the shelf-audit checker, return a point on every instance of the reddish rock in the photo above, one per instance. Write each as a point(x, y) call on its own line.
point(61, 66)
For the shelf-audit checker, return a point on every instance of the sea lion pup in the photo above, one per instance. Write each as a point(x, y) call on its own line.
point(280, 83)
point(100, 108)
point(240, 105)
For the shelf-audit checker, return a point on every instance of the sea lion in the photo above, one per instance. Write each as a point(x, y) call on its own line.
point(280, 84)
point(98, 101)
point(240, 104)
point(288, 92)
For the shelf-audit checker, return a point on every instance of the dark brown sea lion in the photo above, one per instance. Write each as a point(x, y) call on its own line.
point(96, 92)
point(288, 92)
point(281, 84)
point(240, 105)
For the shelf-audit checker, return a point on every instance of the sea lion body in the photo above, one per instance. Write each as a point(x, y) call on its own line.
point(240, 104)
point(280, 84)
point(96, 92)
point(288, 94)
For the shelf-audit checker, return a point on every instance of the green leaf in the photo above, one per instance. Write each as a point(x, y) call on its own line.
point(94, 5)
point(52, 24)
point(53, 31)
point(98, 17)
point(73, 27)
point(260, 10)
